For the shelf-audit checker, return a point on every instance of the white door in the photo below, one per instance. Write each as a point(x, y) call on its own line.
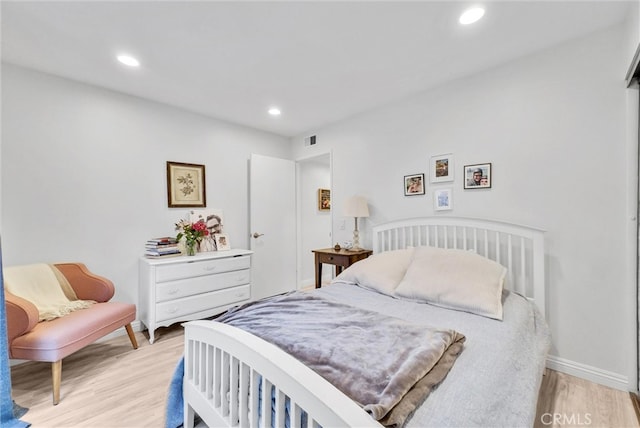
point(272, 218)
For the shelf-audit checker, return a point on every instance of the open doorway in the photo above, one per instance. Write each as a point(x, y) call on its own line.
point(313, 180)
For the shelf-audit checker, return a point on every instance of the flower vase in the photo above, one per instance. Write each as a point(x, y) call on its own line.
point(190, 247)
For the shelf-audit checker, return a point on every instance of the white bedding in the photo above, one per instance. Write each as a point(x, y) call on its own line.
point(495, 381)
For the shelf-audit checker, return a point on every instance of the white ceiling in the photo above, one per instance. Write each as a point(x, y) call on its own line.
point(319, 62)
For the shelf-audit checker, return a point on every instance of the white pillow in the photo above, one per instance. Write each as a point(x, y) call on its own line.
point(454, 279)
point(381, 272)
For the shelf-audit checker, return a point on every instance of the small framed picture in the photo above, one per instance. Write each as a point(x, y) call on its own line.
point(477, 176)
point(324, 199)
point(214, 220)
point(442, 168)
point(222, 242)
point(185, 185)
point(414, 184)
point(443, 199)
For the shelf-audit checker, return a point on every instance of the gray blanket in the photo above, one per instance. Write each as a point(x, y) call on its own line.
point(385, 364)
point(495, 381)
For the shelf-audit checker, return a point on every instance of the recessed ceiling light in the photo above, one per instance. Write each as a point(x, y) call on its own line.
point(274, 111)
point(471, 15)
point(128, 60)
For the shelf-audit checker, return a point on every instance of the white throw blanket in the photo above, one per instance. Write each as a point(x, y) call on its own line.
point(45, 287)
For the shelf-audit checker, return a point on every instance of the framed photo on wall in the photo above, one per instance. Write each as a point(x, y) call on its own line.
point(414, 184)
point(185, 185)
point(477, 176)
point(443, 199)
point(324, 199)
point(442, 168)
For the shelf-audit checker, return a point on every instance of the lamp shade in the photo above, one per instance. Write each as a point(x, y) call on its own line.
point(356, 206)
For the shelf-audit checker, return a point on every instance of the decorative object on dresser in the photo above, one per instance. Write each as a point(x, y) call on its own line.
point(186, 185)
point(356, 206)
point(214, 219)
point(189, 288)
point(341, 258)
point(477, 176)
point(222, 242)
point(166, 246)
point(193, 233)
point(414, 184)
point(442, 168)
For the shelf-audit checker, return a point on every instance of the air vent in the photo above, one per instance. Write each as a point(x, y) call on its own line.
point(310, 141)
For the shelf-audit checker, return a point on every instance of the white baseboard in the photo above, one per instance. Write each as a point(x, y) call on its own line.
point(136, 325)
point(592, 374)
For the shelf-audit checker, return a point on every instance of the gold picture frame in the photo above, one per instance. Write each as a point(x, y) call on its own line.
point(186, 185)
point(324, 199)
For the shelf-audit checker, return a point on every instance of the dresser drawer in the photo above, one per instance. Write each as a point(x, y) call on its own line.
point(200, 268)
point(189, 305)
point(201, 284)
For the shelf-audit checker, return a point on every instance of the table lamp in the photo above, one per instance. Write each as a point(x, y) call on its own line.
point(356, 206)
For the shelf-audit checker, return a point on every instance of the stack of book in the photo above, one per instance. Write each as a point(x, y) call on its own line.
point(165, 246)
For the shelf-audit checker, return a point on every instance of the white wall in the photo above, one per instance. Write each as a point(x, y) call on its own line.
point(84, 173)
point(315, 225)
point(633, 31)
point(553, 126)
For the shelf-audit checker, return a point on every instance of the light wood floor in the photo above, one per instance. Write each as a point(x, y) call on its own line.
point(110, 385)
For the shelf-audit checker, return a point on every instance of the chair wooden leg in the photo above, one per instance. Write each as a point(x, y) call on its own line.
point(132, 336)
point(56, 376)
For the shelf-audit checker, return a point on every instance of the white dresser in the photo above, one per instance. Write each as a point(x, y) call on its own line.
point(185, 288)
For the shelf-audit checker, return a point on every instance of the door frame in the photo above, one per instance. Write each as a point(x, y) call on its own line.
point(300, 256)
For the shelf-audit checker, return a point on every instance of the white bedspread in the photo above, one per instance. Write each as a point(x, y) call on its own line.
point(494, 382)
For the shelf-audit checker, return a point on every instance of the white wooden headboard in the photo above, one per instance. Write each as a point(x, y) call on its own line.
point(519, 248)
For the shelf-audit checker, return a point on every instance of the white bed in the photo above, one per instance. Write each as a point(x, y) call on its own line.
point(225, 366)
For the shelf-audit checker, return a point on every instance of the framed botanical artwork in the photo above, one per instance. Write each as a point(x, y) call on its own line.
point(324, 199)
point(222, 242)
point(443, 199)
point(442, 168)
point(477, 176)
point(186, 185)
point(414, 184)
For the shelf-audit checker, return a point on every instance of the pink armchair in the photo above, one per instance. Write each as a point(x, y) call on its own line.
point(53, 340)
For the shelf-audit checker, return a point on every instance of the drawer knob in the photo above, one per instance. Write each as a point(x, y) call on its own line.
point(174, 291)
point(210, 267)
point(172, 310)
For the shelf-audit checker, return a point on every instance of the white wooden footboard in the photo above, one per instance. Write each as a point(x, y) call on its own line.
point(226, 367)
